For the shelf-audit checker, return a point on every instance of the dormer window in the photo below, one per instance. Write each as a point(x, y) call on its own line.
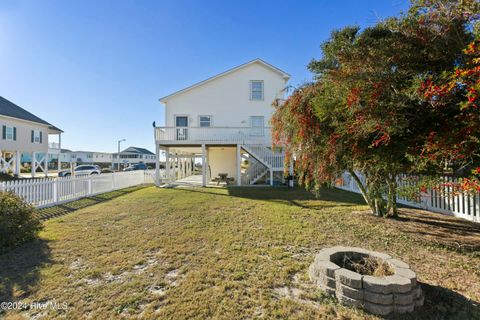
point(256, 90)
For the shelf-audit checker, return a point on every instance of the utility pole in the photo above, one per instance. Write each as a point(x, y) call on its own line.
point(118, 154)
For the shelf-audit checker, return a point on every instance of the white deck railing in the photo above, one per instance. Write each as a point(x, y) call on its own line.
point(54, 145)
point(51, 191)
point(442, 200)
point(213, 134)
point(271, 158)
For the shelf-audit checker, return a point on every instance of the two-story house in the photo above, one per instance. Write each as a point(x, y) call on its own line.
point(133, 155)
point(223, 122)
point(23, 132)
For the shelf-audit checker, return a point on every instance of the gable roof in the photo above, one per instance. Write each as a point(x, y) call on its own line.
point(137, 150)
point(10, 109)
point(285, 75)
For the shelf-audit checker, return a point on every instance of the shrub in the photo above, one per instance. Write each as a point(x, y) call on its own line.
point(6, 177)
point(17, 222)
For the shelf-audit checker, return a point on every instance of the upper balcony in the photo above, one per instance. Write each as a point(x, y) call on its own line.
point(212, 135)
point(54, 147)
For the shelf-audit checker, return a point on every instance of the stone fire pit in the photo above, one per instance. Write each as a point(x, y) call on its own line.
point(391, 288)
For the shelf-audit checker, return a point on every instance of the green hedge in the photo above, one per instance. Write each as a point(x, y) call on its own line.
point(17, 222)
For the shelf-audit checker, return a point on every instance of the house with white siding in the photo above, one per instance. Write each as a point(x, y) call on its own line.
point(103, 159)
point(131, 156)
point(24, 133)
point(223, 122)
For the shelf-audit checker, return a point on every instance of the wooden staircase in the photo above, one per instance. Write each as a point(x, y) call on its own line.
point(262, 160)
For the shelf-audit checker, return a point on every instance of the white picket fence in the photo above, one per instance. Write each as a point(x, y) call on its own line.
point(51, 191)
point(464, 205)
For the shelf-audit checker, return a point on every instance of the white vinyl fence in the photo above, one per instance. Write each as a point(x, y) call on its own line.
point(51, 191)
point(444, 201)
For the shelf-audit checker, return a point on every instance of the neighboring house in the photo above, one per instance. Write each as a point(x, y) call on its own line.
point(53, 159)
point(103, 159)
point(133, 155)
point(24, 133)
point(223, 120)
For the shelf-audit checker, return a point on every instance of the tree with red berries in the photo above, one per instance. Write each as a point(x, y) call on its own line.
point(371, 106)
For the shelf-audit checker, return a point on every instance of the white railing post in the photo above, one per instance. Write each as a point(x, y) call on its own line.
point(55, 190)
point(90, 185)
point(204, 165)
point(239, 165)
point(157, 165)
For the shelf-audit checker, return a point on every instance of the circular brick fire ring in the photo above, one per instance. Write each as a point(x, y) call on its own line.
point(396, 293)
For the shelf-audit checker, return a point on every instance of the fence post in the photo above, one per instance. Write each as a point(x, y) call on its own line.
point(113, 180)
point(2, 186)
point(55, 190)
point(90, 185)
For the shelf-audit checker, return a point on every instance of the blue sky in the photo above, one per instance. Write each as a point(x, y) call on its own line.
point(97, 68)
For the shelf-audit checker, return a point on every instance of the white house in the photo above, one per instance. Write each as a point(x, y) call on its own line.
point(223, 120)
point(23, 132)
point(133, 155)
point(103, 159)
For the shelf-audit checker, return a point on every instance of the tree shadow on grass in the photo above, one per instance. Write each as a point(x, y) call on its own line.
point(20, 270)
point(452, 233)
point(441, 303)
point(296, 196)
point(63, 209)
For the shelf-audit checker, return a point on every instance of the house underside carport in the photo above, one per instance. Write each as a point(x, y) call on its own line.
point(236, 163)
point(187, 162)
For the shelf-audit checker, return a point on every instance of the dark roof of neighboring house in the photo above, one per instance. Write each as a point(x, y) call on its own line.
point(10, 109)
point(83, 151)
point(137, 150)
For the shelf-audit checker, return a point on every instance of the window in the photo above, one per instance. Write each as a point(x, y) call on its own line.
point(9, 133)
point(181, 121)
point(256, 90)
point(257, 123)
point(36, 136)
point(205, 121)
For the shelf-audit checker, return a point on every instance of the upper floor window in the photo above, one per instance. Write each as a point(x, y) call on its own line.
point(9, 133)
point(36, 136)
point(205, 121)
point(256, 90)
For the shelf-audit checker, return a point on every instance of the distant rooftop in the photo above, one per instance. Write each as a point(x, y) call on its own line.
point(137, 150)
point(84, 151)
point(10, 109)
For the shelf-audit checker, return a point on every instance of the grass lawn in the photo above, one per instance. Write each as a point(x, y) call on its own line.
point(239, 253)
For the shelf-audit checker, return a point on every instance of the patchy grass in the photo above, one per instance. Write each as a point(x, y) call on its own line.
point(229, 254)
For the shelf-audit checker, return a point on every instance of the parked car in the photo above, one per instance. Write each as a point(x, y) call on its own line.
point(136, 166)
point(81, 170)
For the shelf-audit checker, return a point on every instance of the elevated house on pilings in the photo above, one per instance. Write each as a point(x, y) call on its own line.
point(24, 133)
point(223, 123)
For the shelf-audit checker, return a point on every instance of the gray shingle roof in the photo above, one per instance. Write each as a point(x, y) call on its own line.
point(137, 150)
point(10, 109)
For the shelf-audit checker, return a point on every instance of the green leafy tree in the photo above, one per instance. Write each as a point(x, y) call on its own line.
point(365, 112)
